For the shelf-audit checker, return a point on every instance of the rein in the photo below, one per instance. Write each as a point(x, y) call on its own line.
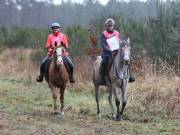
point(59, 55)
point(121, 70)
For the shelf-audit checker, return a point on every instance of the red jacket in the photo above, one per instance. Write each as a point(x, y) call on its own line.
point(59, 37)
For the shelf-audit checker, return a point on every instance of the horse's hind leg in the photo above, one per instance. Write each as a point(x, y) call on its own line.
point(96, 86)
point(62, 89)
point(54, 95)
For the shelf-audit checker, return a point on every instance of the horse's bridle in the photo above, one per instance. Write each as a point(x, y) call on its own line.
point(58, 56)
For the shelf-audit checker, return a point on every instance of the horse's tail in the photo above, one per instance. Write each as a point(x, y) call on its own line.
point(98, 57)
point(97, 60)
point(95, 69)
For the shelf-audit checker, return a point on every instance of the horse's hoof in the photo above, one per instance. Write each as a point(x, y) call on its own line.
point(119, 117)
point(62, 113)
point(113, 116)
point(55, 113)
point(99, 115)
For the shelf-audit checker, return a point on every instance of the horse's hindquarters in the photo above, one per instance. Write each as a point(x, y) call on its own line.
point(96, 68)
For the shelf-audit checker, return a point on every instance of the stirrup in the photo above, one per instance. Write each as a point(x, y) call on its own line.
point(102, 81)
point(131, 79)
point(39, 79)
point(71, 79)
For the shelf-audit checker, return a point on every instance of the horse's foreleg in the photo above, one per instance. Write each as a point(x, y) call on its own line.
point(123, 106)
point(117, 101)
point(54, 95)
point(110, 101)
point(124, 96)
point(62, 89)
point(97, 97)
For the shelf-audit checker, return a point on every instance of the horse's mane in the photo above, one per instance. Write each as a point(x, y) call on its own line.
point(57, 46)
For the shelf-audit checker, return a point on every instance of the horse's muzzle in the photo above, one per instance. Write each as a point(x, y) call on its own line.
point(126, 62)
point(59, 63)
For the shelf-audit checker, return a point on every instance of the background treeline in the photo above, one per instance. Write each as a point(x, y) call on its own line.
point(155, 36)
point(41, 13)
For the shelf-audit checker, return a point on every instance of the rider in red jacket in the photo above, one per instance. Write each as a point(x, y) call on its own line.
point(60, 39)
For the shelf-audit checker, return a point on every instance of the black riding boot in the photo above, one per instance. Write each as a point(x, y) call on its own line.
point(131, 78)
point(103, 72)
point(70, 68)
point(42, 69)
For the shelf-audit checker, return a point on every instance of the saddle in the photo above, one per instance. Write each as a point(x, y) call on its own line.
point(111, 61)
point(108, 67)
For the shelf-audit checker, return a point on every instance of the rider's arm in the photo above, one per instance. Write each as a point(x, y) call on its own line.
point(104, 44)
point(48, 43)
point(65, 42)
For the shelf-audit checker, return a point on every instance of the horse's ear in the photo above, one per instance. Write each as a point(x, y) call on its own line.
point(55, 44)
point(128, 40)
point(62, 44)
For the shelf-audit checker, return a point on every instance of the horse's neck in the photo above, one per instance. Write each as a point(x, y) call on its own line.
point(59, 70)
point(119, 69)
point(117, 59)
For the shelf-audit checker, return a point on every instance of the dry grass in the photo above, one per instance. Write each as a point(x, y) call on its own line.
point(153, 105)
point(17, 62)
point(157, 95)
point(157, 87)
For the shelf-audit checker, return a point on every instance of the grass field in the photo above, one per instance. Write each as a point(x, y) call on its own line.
point(26, 108)
point(153, 106)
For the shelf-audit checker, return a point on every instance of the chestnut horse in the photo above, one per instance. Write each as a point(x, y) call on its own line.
point(57, 76)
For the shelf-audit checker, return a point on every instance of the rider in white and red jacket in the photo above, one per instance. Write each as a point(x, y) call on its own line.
point(108, 48)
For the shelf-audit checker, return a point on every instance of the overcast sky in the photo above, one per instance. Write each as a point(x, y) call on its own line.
point(103, 2)
point(80, 1)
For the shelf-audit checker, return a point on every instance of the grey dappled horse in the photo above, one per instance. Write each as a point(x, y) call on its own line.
point(117, 80)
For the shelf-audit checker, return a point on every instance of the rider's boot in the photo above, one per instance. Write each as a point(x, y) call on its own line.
point(42, 69)
point(102, 79)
